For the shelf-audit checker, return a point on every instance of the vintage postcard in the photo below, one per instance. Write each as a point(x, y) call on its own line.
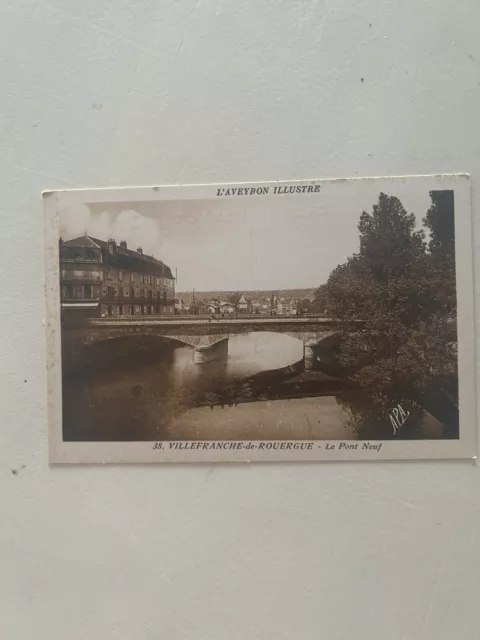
point(305, 320)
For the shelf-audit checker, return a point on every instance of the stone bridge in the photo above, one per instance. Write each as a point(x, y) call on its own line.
point(208, 337)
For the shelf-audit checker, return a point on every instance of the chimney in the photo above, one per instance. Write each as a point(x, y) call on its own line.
point(112, 246)
point(140, 250)
point(123, 244)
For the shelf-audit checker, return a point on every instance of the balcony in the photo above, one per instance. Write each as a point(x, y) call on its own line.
point(73, 301)
point(81, 276)
point(140, 300)
point(81, 260)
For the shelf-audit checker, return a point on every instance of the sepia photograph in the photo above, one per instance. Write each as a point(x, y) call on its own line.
point(299, 320)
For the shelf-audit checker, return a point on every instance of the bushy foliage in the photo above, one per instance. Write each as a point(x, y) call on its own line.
point(400, 290)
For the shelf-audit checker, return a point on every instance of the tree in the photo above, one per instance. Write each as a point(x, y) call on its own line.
point(303, 306)
point(402, 351)
point(233, 298)
point(319, 301)
point(440, 221)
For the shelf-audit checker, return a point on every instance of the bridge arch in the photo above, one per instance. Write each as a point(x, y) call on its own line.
point(92, 339)
point(181, 341)
point(204, 338)
point(209, 338)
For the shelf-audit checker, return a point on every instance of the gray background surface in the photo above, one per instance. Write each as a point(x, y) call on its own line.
point(107, 94)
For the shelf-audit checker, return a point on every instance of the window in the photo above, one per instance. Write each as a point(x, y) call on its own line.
point(126, 292)
point(112, 274)
point(120, 310)
point(120, 276)
point(158, 282)
point(132, 277)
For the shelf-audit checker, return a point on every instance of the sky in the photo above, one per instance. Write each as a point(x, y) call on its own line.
point(245, 243)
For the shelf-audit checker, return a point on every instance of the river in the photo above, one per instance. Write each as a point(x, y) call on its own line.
point(131, 390)
point(146, 388)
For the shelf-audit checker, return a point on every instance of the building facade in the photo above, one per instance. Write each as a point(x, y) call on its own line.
point(103, 279)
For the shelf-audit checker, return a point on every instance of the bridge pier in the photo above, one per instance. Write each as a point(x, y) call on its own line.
point(318, 356)
point(310, 354)
point(204, 353)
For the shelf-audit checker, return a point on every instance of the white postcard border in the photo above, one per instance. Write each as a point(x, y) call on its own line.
point(148, 452)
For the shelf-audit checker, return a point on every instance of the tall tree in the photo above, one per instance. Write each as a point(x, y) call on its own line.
point(403, 352)
point(440, 220)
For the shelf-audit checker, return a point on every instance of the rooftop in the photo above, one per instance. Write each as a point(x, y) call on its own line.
point(83, 241)
point(122, 257)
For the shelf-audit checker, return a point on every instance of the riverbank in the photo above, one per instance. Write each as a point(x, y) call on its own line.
point(299, 419)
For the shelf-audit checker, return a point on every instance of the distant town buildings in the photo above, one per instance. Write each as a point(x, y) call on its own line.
point(283, 306)
point(100, 278)
point(222, 307)
point(240, 304)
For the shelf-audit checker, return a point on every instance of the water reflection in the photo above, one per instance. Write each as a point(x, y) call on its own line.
point(152, 390)
point(133, 391)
